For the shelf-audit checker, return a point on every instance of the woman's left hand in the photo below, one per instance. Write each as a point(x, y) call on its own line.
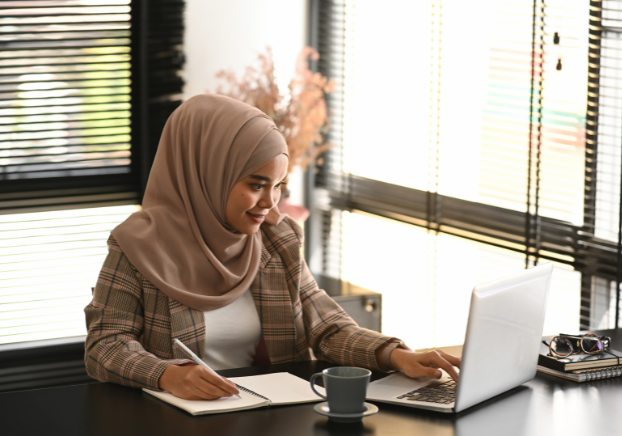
point(428, 364)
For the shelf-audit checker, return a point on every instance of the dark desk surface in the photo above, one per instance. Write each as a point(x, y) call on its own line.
point(544, 406)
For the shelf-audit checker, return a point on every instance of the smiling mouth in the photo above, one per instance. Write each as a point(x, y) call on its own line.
point(256, 216)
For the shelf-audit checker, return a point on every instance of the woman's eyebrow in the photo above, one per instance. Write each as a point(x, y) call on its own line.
point(263, 178)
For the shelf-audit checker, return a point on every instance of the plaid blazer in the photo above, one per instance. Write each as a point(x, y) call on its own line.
point(131, 324)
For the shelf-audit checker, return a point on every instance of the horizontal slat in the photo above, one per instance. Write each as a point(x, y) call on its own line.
point(74, 76)
point(42, 296)
point(99, 119)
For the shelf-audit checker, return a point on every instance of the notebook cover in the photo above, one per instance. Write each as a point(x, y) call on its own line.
point(586, 374)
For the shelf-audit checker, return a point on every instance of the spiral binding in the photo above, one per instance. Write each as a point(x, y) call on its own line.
point(598, 374)
point(248, 391)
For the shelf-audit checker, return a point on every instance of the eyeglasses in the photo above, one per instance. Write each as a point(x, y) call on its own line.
point(564, 345)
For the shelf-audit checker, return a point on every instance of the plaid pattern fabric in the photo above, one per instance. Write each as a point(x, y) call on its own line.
point(131, 323)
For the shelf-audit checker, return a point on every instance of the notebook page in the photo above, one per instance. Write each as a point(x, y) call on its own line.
point(280, 387)
point(200, 407)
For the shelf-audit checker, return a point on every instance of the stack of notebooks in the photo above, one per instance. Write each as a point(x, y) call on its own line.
point(581, 367)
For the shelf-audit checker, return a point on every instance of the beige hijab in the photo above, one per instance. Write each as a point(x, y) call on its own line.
point(180, 241)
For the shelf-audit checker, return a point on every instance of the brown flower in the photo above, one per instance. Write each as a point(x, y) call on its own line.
point(300, 114)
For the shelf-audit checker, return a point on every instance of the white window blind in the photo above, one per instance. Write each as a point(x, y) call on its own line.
point(440, 99)
point(49, 261)
point(462, 133)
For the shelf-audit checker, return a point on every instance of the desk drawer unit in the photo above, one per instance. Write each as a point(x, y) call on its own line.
point(363, 305)
point(364, 309)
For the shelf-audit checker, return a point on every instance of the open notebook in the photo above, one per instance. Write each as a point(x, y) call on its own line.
point(257, 391)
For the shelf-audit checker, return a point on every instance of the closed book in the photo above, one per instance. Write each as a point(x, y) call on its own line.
point(579, 361)
point(584, 375)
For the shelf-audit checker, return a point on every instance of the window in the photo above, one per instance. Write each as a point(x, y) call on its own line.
point(49, 261)
point(471, 129)
point(69, 113)
point(85, 90)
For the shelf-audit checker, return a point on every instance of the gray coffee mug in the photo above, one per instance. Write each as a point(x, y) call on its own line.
point(346, 388)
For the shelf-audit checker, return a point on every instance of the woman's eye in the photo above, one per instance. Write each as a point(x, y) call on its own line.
point(256, 186)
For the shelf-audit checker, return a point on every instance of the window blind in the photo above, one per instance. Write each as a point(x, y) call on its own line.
point(85, 90)
point(476, 128)
point(601, 254)
point(48, 263)
point(65, 91)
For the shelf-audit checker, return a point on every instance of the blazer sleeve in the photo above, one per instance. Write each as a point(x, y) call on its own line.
point(115, 324)
point(332, 334)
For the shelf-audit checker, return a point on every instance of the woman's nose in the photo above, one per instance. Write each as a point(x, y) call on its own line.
point(269, 199)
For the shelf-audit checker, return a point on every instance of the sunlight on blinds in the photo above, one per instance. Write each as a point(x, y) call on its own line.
point(562, 107)
point(426, 279)
point(64, 88)
point(48, 263)
point(609, 124)
point(438, 97)
point(386, 91)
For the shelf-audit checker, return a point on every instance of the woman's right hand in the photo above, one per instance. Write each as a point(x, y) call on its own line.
point(428, 364)
point(194, 382)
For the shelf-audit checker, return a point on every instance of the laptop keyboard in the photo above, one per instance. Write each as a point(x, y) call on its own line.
point(440, 392)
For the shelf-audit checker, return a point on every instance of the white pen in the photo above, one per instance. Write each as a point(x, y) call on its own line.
point(196, 359)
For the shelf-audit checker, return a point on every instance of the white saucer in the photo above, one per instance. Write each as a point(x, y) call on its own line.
point(322, 409)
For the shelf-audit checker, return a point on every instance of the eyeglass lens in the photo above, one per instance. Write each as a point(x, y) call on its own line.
point(591, 344)
point(561, 346)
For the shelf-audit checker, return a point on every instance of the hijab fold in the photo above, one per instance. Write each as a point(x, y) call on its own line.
point(181, 241)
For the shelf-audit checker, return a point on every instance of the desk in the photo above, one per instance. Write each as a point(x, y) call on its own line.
point(545, 406)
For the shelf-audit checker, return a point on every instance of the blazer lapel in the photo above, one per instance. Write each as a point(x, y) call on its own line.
point(265, 257)
point(187, 325)
point(275, 292)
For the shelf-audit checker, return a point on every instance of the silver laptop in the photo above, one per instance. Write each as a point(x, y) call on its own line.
point(500, 350)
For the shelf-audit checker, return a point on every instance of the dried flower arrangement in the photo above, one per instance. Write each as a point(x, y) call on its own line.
point(300, 114)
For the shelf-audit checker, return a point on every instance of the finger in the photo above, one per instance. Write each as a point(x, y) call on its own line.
point(207, 391)
point(200, 388)
point(440, 361)
point(455, 361)
point(431, 372)
point(219, 386)
point(202, 396)
point(231, 383)
point(228, 386)
point(202, 383)
point(195, 388)
point(434, 359)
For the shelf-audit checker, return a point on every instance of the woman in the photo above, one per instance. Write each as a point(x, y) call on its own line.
point(211, 261)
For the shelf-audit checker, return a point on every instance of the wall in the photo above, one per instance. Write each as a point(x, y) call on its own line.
point(230, 35)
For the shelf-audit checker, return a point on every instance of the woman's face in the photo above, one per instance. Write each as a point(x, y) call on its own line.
point(251, 198)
